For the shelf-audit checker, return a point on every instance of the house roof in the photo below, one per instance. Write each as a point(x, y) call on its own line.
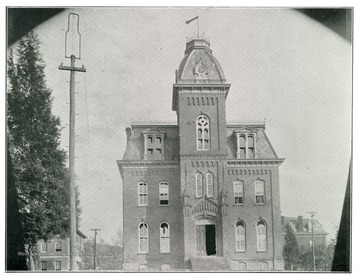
point(305, 228)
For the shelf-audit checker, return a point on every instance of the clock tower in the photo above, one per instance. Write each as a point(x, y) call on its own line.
point(199, 96)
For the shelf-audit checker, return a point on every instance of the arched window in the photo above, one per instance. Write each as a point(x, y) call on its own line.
point(143, 238)
point(238, 192)
point(261, 235)
point(198, 181)
point(240, 236)
point(164, 193)
point(58, 246)
point(259, 192)
point(44, 247)
point(164, 238)
point(202, 133)
point(209, 185)
point(143, 194)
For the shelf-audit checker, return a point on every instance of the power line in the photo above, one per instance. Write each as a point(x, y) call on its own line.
point(87, 113)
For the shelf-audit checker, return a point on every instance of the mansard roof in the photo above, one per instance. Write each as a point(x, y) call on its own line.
point(135, 139)
point(264, 149)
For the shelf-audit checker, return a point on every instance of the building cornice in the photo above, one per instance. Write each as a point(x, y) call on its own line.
point(254, 162)
point(148, 163)
point(154, 123)
point(202, 156)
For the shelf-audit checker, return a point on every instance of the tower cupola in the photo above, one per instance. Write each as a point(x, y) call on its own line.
point(199, 66)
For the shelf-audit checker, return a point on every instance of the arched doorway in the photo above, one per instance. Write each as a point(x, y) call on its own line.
point(205, 237)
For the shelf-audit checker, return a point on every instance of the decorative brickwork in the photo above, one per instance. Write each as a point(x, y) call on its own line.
point(208, 218)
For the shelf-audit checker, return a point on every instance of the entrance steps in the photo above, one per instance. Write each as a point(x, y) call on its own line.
point(209, 263)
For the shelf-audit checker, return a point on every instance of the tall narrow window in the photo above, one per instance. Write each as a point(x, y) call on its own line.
point(242, 146)
point(198, 180)
point(58, 265)
point(44, 247)
point(251, 153)
point(261, 236)
point(143, 194)
point(58, 246)
point(164, 193)
point(240, 236)
point(143, 238)
point(238, 192)
point(44, 265)
point(209, 185)
point(259, 192)
point(202, 133)
point(164, 238)
point(246, 145)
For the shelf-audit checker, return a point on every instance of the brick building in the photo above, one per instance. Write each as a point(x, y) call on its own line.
point(54, 253)
point(303, 230)
point(200, 194)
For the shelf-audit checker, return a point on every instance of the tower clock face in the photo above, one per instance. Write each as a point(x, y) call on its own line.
point(201, 69)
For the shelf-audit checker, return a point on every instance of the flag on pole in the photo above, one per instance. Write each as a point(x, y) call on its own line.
point(190, 20)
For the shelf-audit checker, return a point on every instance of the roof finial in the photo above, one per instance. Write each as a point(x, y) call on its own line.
point(197, 19)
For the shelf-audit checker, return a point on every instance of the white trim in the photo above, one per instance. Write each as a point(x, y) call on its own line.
point(162, 247)
point(209, 174)
point(143, 198)
point(258, 238)
point(238, 236)
point(145, 238)
point(198, 185)
point(240, 184)
point(258, 182)
point(166, 193)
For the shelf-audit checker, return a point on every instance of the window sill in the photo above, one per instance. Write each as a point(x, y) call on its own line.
point(264, 251)
point(164, 205)
point(238, 205)
point(240, 252)
point(259, 204)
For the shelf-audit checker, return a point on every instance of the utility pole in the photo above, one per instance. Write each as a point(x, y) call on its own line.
point(72, 51)
point(95, 230)
point(312, 213)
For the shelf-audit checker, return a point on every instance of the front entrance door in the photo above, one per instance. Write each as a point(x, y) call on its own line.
point(206, 240)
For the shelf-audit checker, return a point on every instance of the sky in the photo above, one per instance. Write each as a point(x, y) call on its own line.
point(283, 67)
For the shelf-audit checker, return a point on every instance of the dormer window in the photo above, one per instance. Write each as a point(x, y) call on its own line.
point(245, 145)
point(154, 145)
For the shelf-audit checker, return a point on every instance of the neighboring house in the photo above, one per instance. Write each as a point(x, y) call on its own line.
point(201, 194)
point(54, 253)
point(303, 230)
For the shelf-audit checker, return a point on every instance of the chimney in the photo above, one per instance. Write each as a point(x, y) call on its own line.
point(300, 224)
